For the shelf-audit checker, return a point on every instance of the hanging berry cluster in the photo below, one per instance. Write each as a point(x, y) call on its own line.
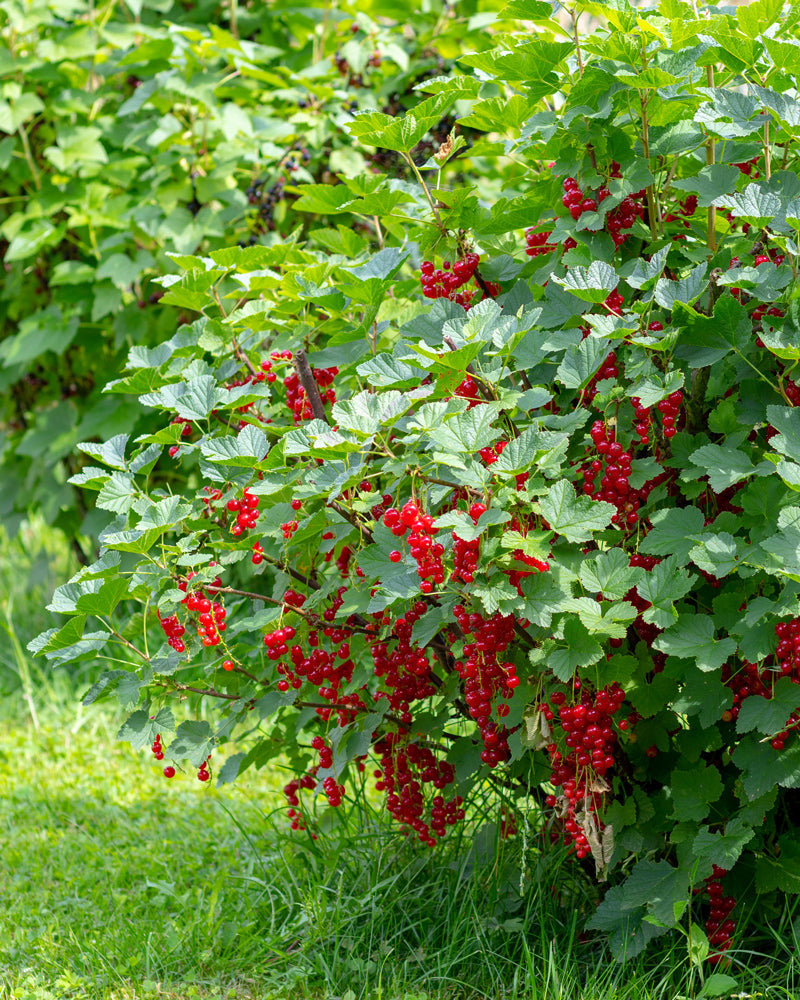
point(404, 769)
point(424, 550)
point(588, 740)
point(719, 926)
point(296, 398)
point(444, 282)
point(487, 679)
point(245, 507)
point(173, 630)
point(210, 615)
point(465, 553)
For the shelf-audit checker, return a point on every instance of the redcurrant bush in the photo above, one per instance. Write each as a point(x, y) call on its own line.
point(520, 509)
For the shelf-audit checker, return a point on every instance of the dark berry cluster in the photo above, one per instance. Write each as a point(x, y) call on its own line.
point(719, 926)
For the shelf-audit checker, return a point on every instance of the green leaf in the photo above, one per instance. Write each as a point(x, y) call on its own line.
point(725, 465)
point(111, 453)
point(383, 371)
point(603, 618)
point(666, 583)
point(367, 412)
point(542, 598)
point(611, 574)
point(574, 517)
point(581, 361)
point(692, 638)
point(718, 984)
point(729, 114)
point(781, 869)
point(589, 284)
point(709, 183)
point(786, 420)
point(192, 400)
point(466, 433)
point(193, 741)
point(722, 848)
point(653, 889)
point(245, 449)
point(675, 531)
point(769, 715)
point(139, 729)
point(581, 650)
point(400, 133)
point(686, 290)
point(706, 697)
point(705, 340)
point(694, 791)
point(754, 205)
point(763, 767)
point(716, 555)
point(105, 601)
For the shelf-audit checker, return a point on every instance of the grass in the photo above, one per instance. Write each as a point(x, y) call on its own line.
point(119, 885)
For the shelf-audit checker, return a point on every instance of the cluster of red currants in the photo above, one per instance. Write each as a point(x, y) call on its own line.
point(719, 926)
point(424, 550)
point(537, 243)
point(404, 769)
point(444, 282)
point(210, 615)
point(173, 631)
point(203, 773)
point(621, 217)
point(466, 553)
point(668, 408)
point(333, 790)
point(246, 509)
point(589, 740)
point(296, 398)
point(406, 670)
point(307, 781)
point(487, 677)
point(756, 681)
point(614, 486)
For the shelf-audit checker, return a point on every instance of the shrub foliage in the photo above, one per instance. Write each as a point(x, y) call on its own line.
point(489, 471)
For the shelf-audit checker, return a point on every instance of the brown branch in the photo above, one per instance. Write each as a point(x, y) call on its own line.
point(480, 281)
point(309, 384)
point(242, 357)
point(352, 518)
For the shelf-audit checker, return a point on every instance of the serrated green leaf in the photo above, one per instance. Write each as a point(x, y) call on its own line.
point(610, 574)
point(694, 791)
point(692, 638)
point(589, 284)
point(675, 532)
point(574, 517)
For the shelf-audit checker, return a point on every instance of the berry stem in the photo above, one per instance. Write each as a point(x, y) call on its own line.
point(409, 160)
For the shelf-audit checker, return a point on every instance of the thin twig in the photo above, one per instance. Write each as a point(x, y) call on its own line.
point(309, 384)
